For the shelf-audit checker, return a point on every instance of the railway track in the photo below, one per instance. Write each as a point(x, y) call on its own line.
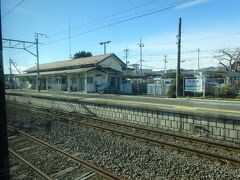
point(49, 162)
point(190, 145)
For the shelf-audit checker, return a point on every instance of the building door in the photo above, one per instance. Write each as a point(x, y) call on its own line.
point(82, 84)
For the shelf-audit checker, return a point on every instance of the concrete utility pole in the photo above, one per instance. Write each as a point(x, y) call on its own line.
point(198, 50)
point(126, 55)
point(10, 72)
point(104, 43)
point(179, 58)
point(165, 64)
point(141, 45)
point(37, 55)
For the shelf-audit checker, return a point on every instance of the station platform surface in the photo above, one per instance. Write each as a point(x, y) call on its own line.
point(216, 108)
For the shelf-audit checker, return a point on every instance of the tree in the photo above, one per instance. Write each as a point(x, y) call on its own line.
point(229, 59)
point(81, 54)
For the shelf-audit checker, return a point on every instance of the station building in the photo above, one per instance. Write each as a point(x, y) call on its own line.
point(102, 73)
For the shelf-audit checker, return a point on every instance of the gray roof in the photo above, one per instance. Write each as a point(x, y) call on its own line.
point(61, 72)
point(70, 64)
point(234, 74)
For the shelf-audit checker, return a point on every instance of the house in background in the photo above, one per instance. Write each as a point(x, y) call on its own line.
point(89, 74)
point(233, 78)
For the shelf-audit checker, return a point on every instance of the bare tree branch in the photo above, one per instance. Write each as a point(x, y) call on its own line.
point(229, 59)
point(224, 66)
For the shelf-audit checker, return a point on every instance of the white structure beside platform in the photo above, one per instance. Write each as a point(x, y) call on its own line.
point(101, 73)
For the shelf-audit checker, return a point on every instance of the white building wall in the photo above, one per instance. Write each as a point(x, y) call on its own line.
point(112, 62)
point(158, 89)
point(99, 81)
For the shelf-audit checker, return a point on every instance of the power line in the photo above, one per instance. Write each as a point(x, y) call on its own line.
point(171, 6)
point(3, 16)
point(197, 39)
point(107, 17)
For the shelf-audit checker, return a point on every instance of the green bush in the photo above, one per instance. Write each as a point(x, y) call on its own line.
point(171, 91)
point(227, 91)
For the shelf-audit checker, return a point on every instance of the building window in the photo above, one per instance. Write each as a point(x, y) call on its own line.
point(90, 80)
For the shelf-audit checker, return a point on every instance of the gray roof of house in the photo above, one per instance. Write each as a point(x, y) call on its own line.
point(70, 64)
point(71, 71)
point(61, 72)
point(234, 74)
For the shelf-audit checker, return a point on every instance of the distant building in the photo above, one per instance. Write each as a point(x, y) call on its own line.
point(10, 83)
point(89, 74)
point(137, 70)
point(233, 77)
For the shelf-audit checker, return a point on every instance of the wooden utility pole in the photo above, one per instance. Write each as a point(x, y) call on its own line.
point(179, 58)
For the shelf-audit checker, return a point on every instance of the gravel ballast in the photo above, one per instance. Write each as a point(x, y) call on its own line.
point(123, 156)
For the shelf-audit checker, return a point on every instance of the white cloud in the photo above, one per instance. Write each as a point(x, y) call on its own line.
point(191, 4)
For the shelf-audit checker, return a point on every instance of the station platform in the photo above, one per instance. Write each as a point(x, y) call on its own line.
point(208, 108)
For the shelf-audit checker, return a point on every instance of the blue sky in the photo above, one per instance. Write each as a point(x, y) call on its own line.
point(206, 24)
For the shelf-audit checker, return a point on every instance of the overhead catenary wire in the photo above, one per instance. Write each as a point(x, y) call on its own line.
point(102, 19)
point(197, 39)
point(3, 16)
point(171, 6)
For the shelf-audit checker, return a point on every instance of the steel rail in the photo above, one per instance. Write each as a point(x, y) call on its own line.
point(176, 136)
point(152, 141)
point(74, 158)
point(38, 171)
point(156, 142)
point(186, 149)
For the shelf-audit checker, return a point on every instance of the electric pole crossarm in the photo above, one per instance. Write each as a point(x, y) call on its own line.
point(18, 44)
point(15, 40)
point(104, 44)
point(30, 52)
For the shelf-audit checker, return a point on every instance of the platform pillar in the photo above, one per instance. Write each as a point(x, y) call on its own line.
point(46, 83)
point(85, 75)
point(69, 81)
point(78, 82)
